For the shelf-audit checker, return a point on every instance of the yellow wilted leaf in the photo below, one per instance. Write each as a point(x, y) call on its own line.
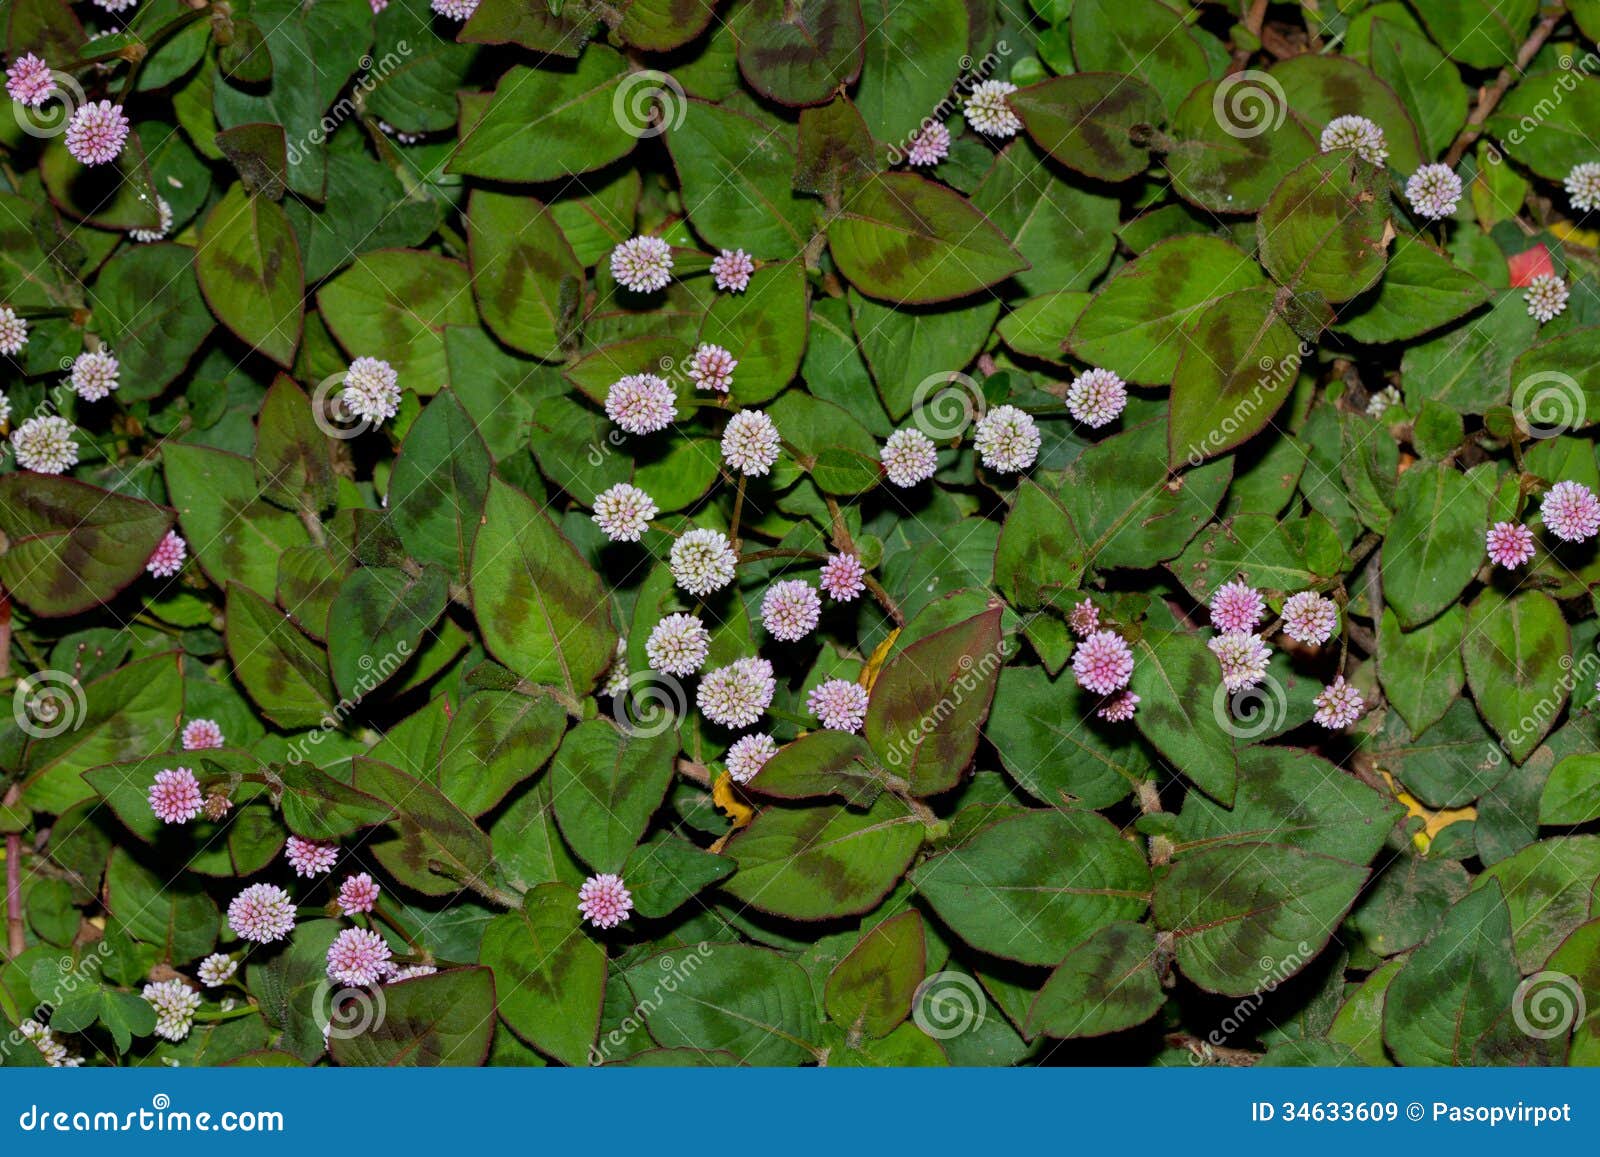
point(741, 813)
point(1567, 231)
point(869, 673)
point(1433, 822)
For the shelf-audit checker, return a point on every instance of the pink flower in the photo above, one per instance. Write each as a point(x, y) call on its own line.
point(29, 82)
point(928, 145)
point(641, 404)
point(455, 9)
point(1434, 191)
point(310, 857)
point(843, 577)
point(702, 561)
point(790, 610)
point(839, 704)
point(358, 956)
point(199, 734)
point(216, 806)
point(736, 695)
point(1096, 397)
point(623, 512)
point(749, 755)
point(678, 645)
point(1119, 708)
point(94, 375)
point(1083, 619)
point(1243, 657)
point(1007, 439)
point(175, 1004)
point(359, 893)
point(167, 558)
point(1571, 512)
point(603, 900)
point(97, 132)
point(1339, 705)
point(262, 913)
point(13, 331)
point(1510, 544)
point(712, 368)
point(750, 443)
point(217, 969)
point(908, 457)
point(44, 444)
point(732, 269)
point(1236, 607)
point(643, 264)
point(1103, 663)
point(175, 796)
point(378, 5)
point(1310, 618)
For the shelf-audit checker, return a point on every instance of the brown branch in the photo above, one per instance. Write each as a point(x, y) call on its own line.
point(1490, 97)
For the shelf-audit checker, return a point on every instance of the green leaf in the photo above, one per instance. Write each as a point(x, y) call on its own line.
point(248, 265)
point(1063, 232)
point(1417, 71)
point(1263, 551)
point(1452, 988)
point(171, 914)
point(1572, 793)
point(1518, 653)
point(550, 976)
point(1055, 748)
point(1233, 142)
point(1098, 123)
point(1435, 542)
point(907, 240)
point(294, 460)
point(1190, 729)
point(439, 482)
point(533, 26)
point(434, 848)
point(154, 336)
point(1549, 887)
point(736, 174)
point(1033, 887)
point(66, 546)
point(871, 989)
point(396, 303)
point(284, 672)
point(898, 89)
point(378, 622)
point(1248, 914)
point(317, 806)
point(540, 607)
point(525, 276)
point(749, 1001)
point(1323, 229)
point(664, 873)
point(1480, 33)
point(1106, 984)
point(822, 763)
point(236, 535)
point(906, 348)
point(496, 740)
point(799, 52)
point(1321, 87)
point(822, 862)
point(662, 25)
point(608, 782)
point(428, 1021)
point(1421, 290)
point(1142, 37)
point(764, 328)
point(1421, 670)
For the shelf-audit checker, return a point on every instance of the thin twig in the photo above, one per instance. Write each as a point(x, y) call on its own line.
point(1490, 97)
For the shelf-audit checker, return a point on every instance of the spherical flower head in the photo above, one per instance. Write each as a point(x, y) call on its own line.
point(1546, 297)
point(13, 332)
point(371, 390)
point(1096, 397)
point(164, 214)
point(987, 111)
point(1381, 401)
point(790, 610)
point(28, 81)
point(1310, 618)
point(736, 695)
point(843, 577)
point(1338, 705)
point(175, 1004)
point(97, 132)
point(1243, 657)
point(1007, 440)
point(839, 704)
point(5, 408)
point(455, 9)
point(217, 806)
point(732, 269)
point(604, 901)
point(712, 368)
point(94, 375)
point(175, 796)
point(641, 403)
point(749, 755)
point(1434, 191)
point(624, 512)
point(310, 857)
point(1084, 619)
point(167, 559)
point(750, 443)
point(358, 894)
point(200, 734)
point(1236, 607)
point(678, 645)
point(1510, 544)
point(702, 561)
point(411, 972)
point(115, 6)
point(928, 145)
point(1119, 708)
point(643, 264)
point(1583, 187)
point(1358, 133)
point(359, 957)
point(908, 457)
point(217, 969)
point(261, 913)
point(1571, 512)
point(44, 444)
point(1103, 663)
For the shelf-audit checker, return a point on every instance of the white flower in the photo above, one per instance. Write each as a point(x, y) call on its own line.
point(750, 442)
point(1583, 187)
point(702, 561)
point(1358, 133)
point(175, 1004)
point(13, 332)
point(1546, 297)
point(1434, 191)
point(45, 444)
point(164, 211)
point(736, 695)
point(217, 969)
point(908, 457)
point(1007, 440)
point(94, 375)
point(1243, 657)
point(643, 264)
point(624, 512)
point(641, 403)
point(371, 390)
point(987, 111)
point(748, 755)
point(678, 645)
